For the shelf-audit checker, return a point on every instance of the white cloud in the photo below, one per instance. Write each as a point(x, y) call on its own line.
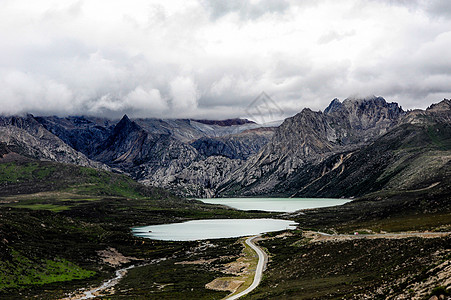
point(106, 103)
point(246, 9)
point(20, 92)
point(202, 58)
point(146, 101)
point(184, 94)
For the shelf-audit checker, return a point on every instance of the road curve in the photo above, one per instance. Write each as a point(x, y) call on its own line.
point(262, 258)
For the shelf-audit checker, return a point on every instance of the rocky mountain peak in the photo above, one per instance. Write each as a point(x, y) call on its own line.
point(125, 124)
point(311, 136)
point(125, 119)
point(364, 103)
point(444, 105)
point(371, 98)
point(33, 140)
point(334, 106)
point(364, 106)
point(371, 112)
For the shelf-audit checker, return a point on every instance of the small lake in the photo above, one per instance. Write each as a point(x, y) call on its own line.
point(276, 204)
point(212, 229)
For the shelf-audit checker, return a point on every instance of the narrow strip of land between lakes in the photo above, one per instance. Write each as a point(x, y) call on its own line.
point(262, 259)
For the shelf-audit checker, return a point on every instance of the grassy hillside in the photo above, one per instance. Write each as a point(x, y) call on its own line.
point(27, 177)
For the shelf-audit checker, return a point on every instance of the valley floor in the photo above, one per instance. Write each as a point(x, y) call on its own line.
point(77, 234)
point(302, 264)
point(306, 265)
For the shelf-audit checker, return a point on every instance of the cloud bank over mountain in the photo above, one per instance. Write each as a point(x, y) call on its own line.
point(210, 59)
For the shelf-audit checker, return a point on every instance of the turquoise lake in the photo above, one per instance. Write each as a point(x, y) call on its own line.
point(212, 229)
point(276, 204)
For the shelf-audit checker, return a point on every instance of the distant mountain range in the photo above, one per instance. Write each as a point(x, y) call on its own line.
point(353, 148)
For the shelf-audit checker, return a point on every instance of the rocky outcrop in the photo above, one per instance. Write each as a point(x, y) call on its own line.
point(442, 106)
point(199, 179)
point(142, 154)
point(361, 120)
point(158, 152)
point(310, 137)
point(31, 139)
point(236, 146)
point(187, 131)
point(352, 148)
point(84, 134)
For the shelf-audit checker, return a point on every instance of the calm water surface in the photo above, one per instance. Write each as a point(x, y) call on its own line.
point(212, 229)
point(275, 204)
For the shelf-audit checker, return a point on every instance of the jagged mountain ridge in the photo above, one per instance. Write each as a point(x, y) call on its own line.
point(309, 154)
point(81, 133)
point(29, 138)
point(145, 155)
point(235, 146)
point(412, 156)
point(310, 137)
point(160, 152)
point(187, 130)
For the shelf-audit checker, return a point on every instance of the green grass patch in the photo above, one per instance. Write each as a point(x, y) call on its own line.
point(22, 271)
point(34, 177)
point(13, 172)
point(39, 206)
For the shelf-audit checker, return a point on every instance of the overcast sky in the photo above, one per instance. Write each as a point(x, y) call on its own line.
point(212, 58)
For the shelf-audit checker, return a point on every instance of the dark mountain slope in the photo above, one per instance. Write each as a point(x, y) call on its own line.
point(413, 155)
point(158, 152)
point(29, 138)
point(409, 157)
point(309, 138)
point(34, 176)
point(84, 134)
point(144, 155)
point(236, 146)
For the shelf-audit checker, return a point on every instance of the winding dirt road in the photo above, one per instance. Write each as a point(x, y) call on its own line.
point(262, 259)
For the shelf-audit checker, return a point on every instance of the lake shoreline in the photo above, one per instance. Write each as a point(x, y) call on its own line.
point(208, 229)
point(267, 204)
